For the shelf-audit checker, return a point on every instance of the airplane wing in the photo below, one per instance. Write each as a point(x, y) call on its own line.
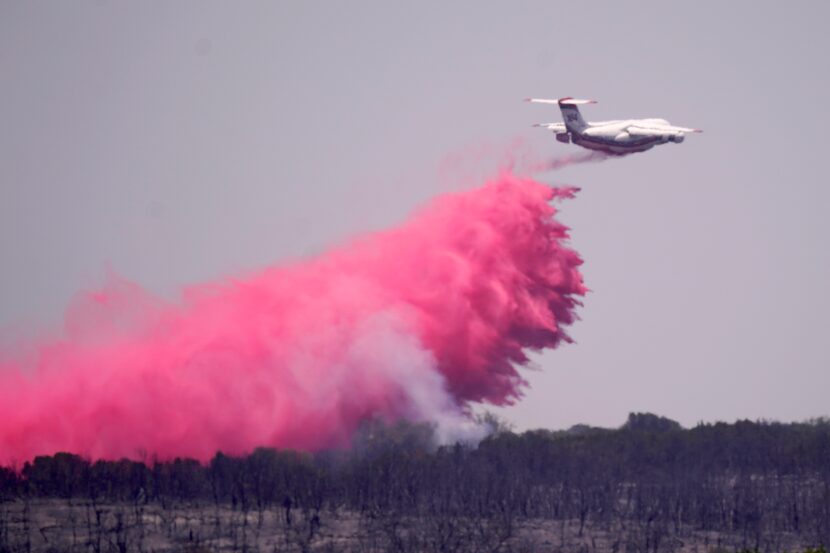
point(684, 129)
point(555, 127)
point(649, 130)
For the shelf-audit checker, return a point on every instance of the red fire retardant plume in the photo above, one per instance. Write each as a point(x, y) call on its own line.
point(415, 322)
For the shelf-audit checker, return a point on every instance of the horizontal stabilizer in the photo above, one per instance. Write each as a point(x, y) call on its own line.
point(567, 101)
point(575, 101)
point(542, 101)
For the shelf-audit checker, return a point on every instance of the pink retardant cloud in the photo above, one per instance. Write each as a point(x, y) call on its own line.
point(415, 322)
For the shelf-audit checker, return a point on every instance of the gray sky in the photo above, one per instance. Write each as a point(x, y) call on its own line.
point(179, 142)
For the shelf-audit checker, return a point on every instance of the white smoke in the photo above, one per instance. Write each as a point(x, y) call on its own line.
point(385, 338)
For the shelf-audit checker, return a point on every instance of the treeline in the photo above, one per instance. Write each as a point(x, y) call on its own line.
point(654, 484)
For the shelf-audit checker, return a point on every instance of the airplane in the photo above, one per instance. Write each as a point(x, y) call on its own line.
point(612, 137)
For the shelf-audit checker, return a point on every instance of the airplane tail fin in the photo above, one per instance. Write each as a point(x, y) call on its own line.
point(570, 112)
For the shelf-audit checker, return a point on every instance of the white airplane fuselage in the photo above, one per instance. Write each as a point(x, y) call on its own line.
point(612, 137)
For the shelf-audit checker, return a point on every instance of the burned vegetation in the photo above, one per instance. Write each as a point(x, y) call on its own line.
point(649, 486)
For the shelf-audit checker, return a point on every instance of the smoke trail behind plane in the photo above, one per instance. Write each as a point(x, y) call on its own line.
point(572, 159)
point(416, 322)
